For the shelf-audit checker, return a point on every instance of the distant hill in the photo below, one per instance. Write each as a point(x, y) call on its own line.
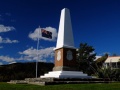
point(23, 70)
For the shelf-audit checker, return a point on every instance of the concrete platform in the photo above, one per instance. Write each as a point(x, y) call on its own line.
point(55, 81)
point(65, 74)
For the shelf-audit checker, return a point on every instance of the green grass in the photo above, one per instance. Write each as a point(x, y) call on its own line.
point(110, 86)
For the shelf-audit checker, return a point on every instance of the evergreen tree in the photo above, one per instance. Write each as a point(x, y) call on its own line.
point(99, 62)
point(85, 57)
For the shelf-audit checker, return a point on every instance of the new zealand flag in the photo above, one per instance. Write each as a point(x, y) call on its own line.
point(46, 33)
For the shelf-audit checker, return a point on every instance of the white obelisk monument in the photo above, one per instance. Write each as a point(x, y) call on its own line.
point(65, 52)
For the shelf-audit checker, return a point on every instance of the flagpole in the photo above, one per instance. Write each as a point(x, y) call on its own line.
point(37, 52)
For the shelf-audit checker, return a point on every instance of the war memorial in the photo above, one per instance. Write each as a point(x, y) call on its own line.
point(64, 70)
point(65, 52)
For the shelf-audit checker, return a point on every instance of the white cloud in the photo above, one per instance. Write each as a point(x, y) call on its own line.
point(1, 47)
point(12, 62)
point(34, 35)
point(97, 57)
point(101, 54)
point(7, 40)
point(1, 63)
point(7, 59)
point(31, 54)
point(6, 28)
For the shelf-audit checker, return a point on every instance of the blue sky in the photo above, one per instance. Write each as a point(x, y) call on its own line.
point(96, 22)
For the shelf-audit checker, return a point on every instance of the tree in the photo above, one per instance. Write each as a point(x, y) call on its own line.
point(103, 72)
point(112, 74)
point(85, 57)
point(99, 62)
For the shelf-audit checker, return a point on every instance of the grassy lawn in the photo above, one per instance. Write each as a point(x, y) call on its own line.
point(110, 86)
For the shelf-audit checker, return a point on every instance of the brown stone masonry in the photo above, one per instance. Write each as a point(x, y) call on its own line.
point(63, 61)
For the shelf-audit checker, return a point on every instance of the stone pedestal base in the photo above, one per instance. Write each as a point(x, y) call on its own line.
point(64, 68)
point(65, 74)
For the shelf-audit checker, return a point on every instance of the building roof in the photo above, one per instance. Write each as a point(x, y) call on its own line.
point(112, 59)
